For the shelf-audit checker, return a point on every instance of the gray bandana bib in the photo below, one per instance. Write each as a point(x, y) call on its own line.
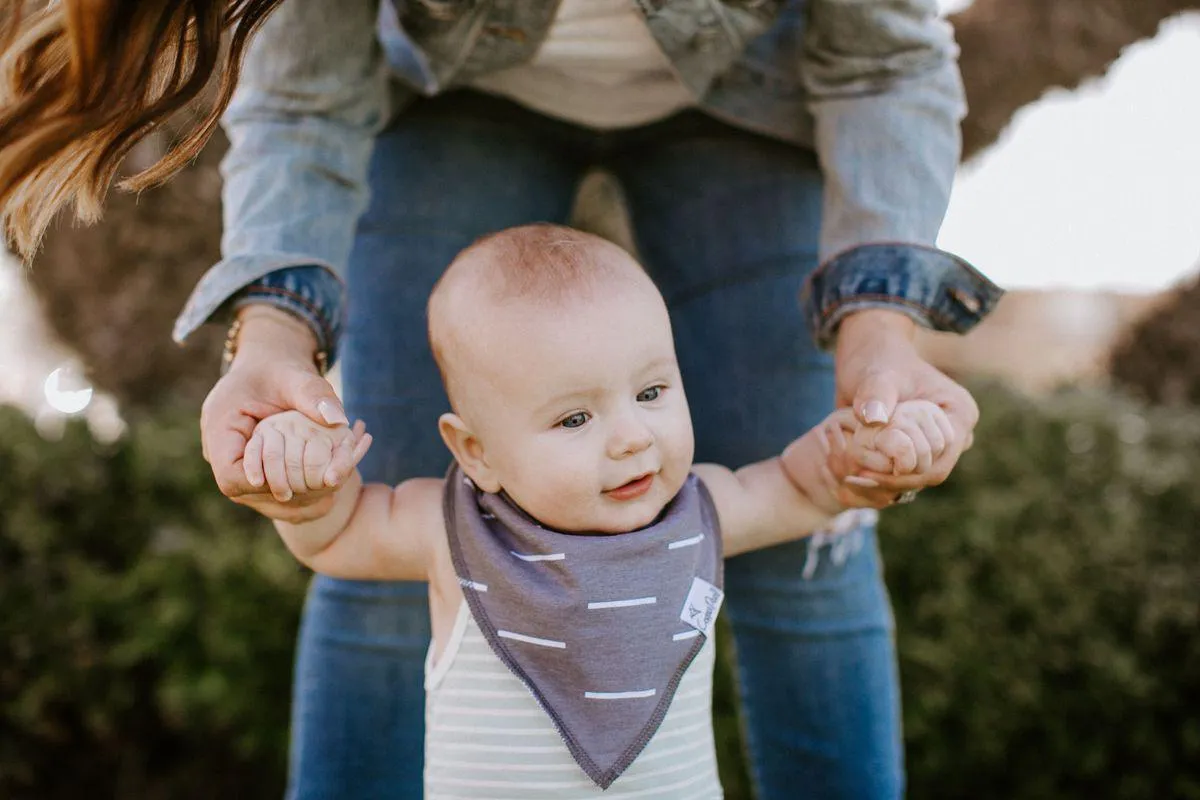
point(599, 628)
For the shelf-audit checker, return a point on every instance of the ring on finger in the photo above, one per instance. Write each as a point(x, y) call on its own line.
point(906, 497)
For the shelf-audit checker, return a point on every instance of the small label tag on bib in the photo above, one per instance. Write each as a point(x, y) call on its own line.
point(702, 605)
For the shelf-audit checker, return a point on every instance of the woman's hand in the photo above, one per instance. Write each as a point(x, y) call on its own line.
point(877, 366)
point(273, 371)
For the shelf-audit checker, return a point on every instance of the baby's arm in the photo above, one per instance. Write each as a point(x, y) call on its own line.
point(373, 531)
point(782, 498)
point(796, 493)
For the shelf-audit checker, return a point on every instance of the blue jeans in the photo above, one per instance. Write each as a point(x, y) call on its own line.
point(726, 223)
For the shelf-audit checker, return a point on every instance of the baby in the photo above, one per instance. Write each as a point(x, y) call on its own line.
point(573, 551)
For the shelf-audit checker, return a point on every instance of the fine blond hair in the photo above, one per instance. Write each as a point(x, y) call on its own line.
point(541, 264)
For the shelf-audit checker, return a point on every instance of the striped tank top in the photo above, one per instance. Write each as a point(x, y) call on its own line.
point(486, 736)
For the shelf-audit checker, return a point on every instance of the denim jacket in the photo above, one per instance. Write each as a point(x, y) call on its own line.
point(871, 85)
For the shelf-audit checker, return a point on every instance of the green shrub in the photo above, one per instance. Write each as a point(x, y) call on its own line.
point(147, 625)
point(1158, 357)
point(1046, 599)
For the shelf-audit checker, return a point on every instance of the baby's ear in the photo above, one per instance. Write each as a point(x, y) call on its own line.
point(468, 451)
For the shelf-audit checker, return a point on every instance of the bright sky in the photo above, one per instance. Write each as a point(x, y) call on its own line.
point(1097, 188)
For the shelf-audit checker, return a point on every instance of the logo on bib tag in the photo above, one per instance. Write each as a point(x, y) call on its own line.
point(702, 605)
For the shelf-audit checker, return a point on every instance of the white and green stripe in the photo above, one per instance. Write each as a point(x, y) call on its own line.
point(487, 737)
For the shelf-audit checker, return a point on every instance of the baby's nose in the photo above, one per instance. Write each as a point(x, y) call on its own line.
point(629, 438)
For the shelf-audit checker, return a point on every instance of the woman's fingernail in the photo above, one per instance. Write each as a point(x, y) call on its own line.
point(875, 412)
point(332, 414)
point(857, 480)
point(331, 478)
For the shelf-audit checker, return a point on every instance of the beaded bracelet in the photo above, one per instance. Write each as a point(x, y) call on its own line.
point(320, 357)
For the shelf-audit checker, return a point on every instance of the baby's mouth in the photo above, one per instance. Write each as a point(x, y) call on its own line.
point(633, 489)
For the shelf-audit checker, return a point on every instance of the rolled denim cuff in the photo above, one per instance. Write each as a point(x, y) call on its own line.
point(311, 292)
point(936, 289)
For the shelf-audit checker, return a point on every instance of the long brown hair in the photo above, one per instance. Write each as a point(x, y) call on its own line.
point(83, 81)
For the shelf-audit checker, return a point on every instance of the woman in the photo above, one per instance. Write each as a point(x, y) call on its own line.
point(763, 147)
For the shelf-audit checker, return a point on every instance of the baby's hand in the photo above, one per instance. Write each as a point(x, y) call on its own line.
point(292, 454)
point(908, 445)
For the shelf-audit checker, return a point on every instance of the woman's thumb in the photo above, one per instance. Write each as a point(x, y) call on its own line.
point(313, 396)
point(876, 398)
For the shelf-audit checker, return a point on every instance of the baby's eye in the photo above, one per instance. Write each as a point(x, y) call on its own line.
point(576, 420)
point(649, 395)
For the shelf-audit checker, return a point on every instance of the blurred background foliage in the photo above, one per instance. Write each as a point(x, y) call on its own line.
point(147, 625)
point(1046, 597)
point(1046, 603)
point(1158, 359)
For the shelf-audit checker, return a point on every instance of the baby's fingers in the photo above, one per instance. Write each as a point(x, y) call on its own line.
point(318, 453)
point(274, 463)
point(906, 445)
point(942, 422)
point(361, 447)
point(832, 440)
point(937, 436)
point(293, 460)
point(866, 452)
point(345, 455)
point(252, 463)
point(341, 462)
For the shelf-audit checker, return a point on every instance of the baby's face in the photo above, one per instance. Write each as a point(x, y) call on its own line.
point(580, 409)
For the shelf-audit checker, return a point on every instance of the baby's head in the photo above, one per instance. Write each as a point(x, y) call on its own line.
point(556, 352)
